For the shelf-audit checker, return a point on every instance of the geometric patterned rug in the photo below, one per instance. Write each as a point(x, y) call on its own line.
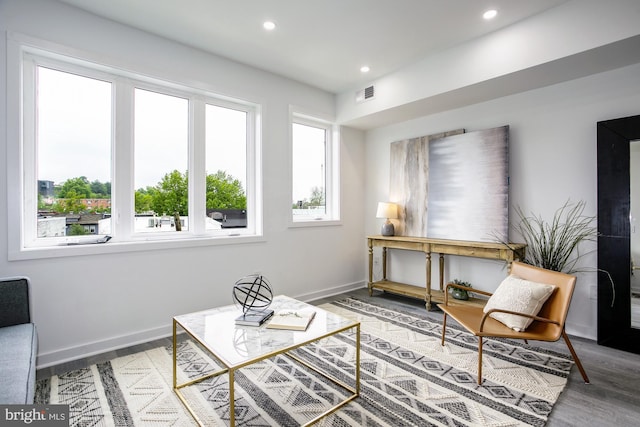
point(407, 379)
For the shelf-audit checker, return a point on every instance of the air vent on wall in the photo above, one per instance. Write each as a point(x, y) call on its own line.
point(365, 94)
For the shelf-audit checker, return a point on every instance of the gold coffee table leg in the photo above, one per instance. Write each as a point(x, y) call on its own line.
point(232, 403)
point(175, 356)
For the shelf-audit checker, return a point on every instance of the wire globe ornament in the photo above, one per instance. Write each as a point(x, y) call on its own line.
point(252, 293)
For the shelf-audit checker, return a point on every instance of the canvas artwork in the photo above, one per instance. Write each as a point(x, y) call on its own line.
point(409, 180)
point(453, 186)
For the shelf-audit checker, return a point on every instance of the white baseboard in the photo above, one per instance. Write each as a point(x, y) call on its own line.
point(325, 293)
point(69, 354)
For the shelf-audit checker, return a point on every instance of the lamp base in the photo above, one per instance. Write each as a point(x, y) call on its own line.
point(388, 229)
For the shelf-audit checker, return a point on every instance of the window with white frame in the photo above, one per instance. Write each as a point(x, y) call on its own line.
point(314, 161)
point(169, 162)
point(71, 131)
point(161, 161)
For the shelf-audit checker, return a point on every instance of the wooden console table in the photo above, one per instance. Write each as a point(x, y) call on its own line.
point(497, 251)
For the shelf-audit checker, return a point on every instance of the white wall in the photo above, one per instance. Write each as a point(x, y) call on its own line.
point(89, 304)
point(575, 39)
point(552, 159)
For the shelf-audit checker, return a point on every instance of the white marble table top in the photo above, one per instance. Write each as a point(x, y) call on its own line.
point(236, 345)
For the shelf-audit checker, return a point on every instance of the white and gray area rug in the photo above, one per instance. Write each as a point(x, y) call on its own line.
point(407, 379)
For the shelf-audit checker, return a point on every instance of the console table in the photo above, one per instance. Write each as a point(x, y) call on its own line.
point(489, 250)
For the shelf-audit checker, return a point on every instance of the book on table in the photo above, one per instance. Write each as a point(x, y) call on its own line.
point(254, 318)
point(295, 320)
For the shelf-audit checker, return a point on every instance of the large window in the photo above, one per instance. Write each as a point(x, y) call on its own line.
point(313, 173)
point(108, 153)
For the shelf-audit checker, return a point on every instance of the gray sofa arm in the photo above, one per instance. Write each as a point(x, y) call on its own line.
point(14, 301)
point(18, 343)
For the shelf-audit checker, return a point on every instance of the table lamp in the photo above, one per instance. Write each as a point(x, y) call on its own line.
point(388, 211)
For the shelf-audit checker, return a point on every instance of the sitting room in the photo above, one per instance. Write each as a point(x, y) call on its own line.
point(354, 159)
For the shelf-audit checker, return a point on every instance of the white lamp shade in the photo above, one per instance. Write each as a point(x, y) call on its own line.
point(387, 210)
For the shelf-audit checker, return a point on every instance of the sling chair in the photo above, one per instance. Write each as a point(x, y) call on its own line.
point(546, 325)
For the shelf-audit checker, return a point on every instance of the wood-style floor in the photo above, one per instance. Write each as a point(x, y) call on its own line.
point(611, 399)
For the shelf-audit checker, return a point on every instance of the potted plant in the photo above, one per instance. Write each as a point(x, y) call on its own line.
point(556, 245)
point(460, 294)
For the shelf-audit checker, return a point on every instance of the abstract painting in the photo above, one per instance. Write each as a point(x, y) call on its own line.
point(453, 186)
point(409, 182)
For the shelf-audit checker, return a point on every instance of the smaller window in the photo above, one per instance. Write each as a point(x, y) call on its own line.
point(314, 163)
point(161, 139)
point(71, 151)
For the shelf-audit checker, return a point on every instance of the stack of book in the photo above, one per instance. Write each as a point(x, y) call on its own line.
point(254, 318)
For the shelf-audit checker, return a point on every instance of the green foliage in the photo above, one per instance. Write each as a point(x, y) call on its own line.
point(461, 294)
point(168, 197)
point(75, 188)
point(77, 230)
point(73, 204)
point(225, 192)
point(556, 245)
point(462, 283)
point(69, 196)
point(315, 199)
point(172, 195)
point(144, 199)
point(100, 190)
point(80, 187)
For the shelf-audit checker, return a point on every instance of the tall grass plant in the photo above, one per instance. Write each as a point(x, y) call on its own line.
point(557, 245)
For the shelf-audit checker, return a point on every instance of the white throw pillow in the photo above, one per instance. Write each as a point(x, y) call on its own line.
point(520, 295)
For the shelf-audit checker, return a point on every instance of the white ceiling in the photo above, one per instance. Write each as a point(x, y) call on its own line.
point(319, 42)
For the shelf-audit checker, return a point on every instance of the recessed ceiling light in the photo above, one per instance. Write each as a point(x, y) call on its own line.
point(364, 69)
point(269, 25)
point(490, 14)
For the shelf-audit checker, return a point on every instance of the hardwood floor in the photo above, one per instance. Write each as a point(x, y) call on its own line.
point(611, 399)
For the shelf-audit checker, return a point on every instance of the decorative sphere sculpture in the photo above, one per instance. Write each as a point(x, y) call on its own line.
point(252, 293)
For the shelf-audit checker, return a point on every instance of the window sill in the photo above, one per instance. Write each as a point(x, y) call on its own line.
point(131, 246)
point(314, 223)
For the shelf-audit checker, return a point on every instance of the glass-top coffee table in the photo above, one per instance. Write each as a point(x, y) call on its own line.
point(215, 330)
